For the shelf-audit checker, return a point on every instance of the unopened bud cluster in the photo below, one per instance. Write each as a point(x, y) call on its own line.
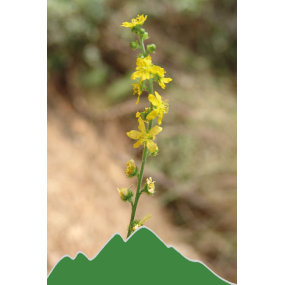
point(150, 48)
point(135, 45)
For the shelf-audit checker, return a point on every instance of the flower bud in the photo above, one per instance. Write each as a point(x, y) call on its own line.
point(123, 191)
point(145, 36)
point(131, 170)
point(136, 29)
point(150, 186)
point(126, 194)
point(138, 223)
point(151, 48)
point(144, 114)
point(136, 227)
point(134, 45)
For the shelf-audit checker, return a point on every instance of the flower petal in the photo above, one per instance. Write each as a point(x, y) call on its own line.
point(145, 75)
point(136, 74)
point(140, 62)
point(155, 130)
point(158, 97)
point(128, 25)
point(153, 114)
point(159, 119)
point(156, 70)
point(161, 72)
point(137, 144)
point(147, 60)
point(166, 80)
point(132, 163)
point(142, 18)
point(161, 84)
point(134, 135)
point(153, 100)
point(152, 147)
point(138, 99)
point(141, 125)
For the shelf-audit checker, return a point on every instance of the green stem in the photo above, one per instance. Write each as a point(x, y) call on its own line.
point(134, 208)
point(143, 47)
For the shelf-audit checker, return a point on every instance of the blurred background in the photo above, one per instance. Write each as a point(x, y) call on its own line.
point(91, 107)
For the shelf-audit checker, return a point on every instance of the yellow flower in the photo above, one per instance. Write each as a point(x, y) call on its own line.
point(161, 80)
point(131, 170)
point(137, 89)
point(161, 107)
point(150, 185)
point(144, 114)
point(145, 69)
point(144, 137)
point(135, 22)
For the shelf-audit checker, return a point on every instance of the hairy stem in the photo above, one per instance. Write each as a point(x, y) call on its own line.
point(143, 47)
point(134, 208)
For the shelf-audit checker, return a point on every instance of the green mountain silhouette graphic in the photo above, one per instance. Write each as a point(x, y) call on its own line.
point(142, 259)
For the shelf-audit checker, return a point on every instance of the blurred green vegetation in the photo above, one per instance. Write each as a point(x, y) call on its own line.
point(86, 33)
point(89, 58)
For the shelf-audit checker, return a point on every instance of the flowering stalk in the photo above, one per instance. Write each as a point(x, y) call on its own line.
point(134, 207)
point(146, 71)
